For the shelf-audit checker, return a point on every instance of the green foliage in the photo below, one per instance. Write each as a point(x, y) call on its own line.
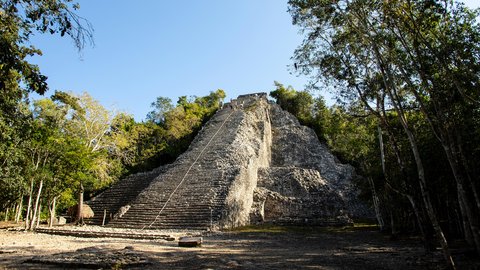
point(27, 140)
point(19, 20)
point(297, 103)
point(351, 137)
point(413, 66)
point(12, 155)
point(311, 112)
point(162, 105)
point(170, 129)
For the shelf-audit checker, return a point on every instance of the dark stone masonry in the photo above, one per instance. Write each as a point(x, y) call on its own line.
point(251, 163)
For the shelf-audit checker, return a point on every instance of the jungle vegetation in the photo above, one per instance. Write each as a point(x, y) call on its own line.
point(406, 75)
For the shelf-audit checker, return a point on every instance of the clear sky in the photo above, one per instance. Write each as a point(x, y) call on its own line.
point(150, 48)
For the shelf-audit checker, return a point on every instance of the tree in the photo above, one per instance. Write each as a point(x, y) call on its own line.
point(91, 125)
point(55, 157)
point(19, 20)
point(441, 48)
point(170, 129)
point(70, 146)
point(310, 111)
point(184, 121)
point(401, 56)
point(161, 106)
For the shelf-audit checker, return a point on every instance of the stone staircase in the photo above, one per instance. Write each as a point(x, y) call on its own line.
point(189, 194)
point(109, 202)
point(193, 206)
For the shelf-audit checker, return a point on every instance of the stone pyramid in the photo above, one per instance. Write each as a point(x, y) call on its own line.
point(251, 163)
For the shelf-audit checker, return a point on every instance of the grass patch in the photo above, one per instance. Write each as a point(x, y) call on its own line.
point(365, 225)
point(272, 228)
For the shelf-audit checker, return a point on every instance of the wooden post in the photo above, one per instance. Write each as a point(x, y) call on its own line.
point(80, 206)
point(104, 216)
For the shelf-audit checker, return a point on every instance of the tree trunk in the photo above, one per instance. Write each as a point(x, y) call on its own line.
point(467, 208)
point(382, 150)
point(426, 235)
point(39, 215)
point(376, 205)
point(374, 194)
point(391, 91)
point(80, 206)
point(467, 230)
point(6, 214)
point(51, 209)
point(37, 201)
point(19, 210)
point(425, 192)
point(447, 134)
point(29, 207)
point(428, 242)
point(419, 217)
point(393, 229)
point(469, 172)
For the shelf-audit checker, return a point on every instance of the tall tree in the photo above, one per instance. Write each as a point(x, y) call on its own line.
point(441, 67)
point(401, 54)
point(19, 20)
point(161, 106)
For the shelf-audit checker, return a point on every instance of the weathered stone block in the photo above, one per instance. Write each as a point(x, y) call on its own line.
point(190, 242)
point(61, 221)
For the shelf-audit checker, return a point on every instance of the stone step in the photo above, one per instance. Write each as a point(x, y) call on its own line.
point(149, 220)
point(199, 227)
point(170, 208)
point(176, 215)
point(160, 219)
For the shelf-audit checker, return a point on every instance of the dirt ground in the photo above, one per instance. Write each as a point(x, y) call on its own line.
point(250, 248)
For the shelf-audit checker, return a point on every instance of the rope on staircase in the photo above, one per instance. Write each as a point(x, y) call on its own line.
point(191, 166)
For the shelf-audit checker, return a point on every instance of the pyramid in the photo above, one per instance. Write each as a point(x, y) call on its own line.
point(252, 162)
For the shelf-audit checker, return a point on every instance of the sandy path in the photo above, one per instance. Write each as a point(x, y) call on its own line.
point(233, 250)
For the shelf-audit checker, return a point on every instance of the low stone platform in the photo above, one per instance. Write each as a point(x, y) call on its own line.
point(99, 234)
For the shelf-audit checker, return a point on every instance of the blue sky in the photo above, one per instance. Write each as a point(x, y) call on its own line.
point(150, 48)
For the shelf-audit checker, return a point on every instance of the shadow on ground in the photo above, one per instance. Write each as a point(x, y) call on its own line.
point(256, 249)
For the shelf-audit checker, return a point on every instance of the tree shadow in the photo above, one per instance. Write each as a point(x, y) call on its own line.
point(248, 250)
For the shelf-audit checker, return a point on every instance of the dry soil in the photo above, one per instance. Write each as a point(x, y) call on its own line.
point(250, 248)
